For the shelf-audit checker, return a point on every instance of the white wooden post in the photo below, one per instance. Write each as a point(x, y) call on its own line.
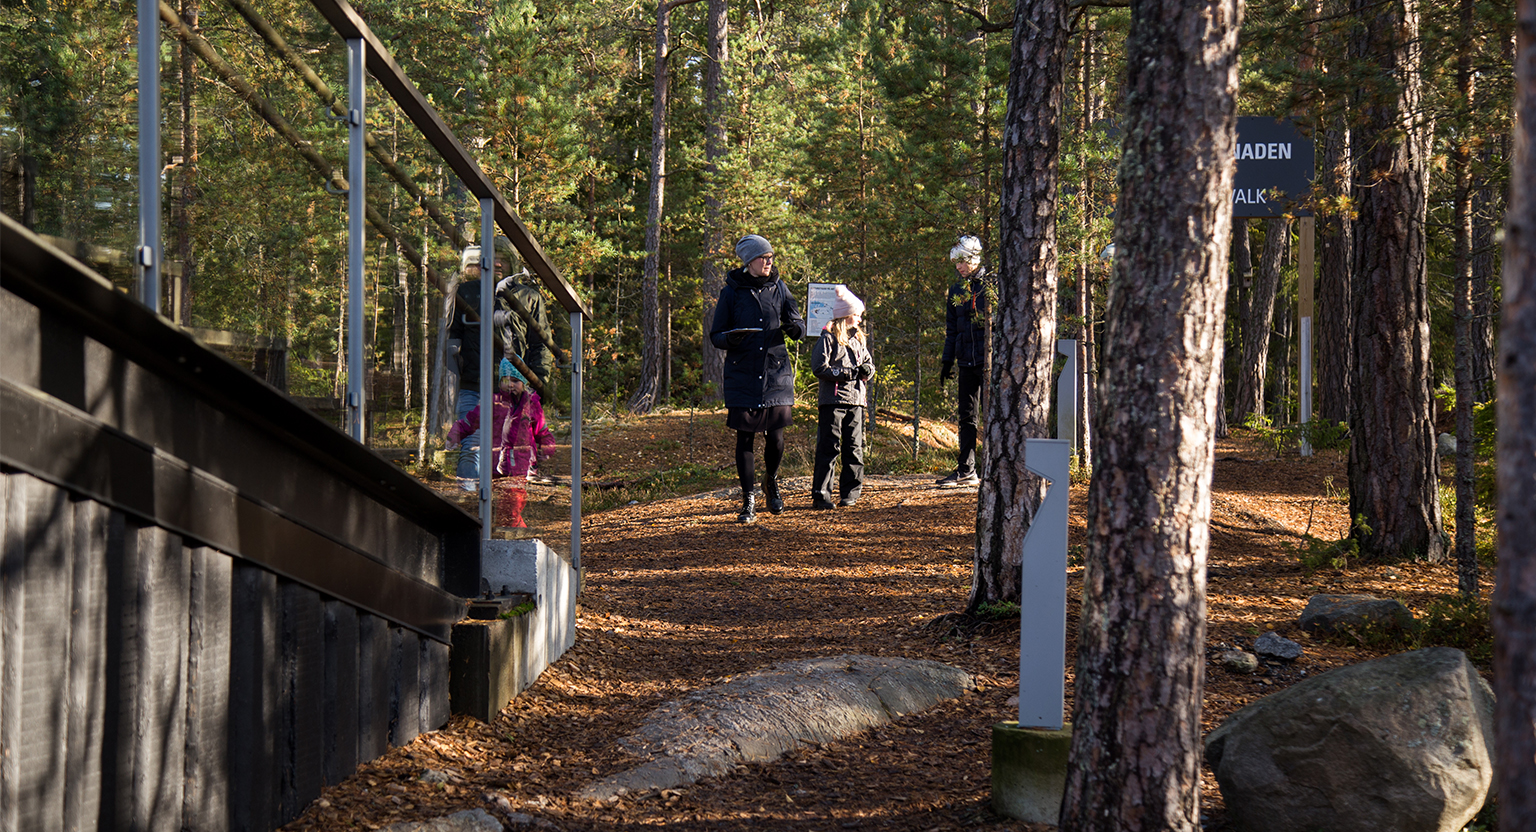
point(1043, 599)
point(1066, 395)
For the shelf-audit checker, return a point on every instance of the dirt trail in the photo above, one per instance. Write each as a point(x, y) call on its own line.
point(679, 596)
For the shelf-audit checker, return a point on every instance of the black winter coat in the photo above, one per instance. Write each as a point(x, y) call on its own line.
point(965, 321)
point(757, 369)
point(467, 332)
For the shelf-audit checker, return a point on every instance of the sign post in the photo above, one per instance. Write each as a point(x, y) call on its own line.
point(1275, 168)
point(819, 299)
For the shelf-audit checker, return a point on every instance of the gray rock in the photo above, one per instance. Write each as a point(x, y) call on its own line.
point(1271, 645)
point(1329, 613)
point(1402, 743)
point(1445, 443)
point(758, 717)
point(434, 776)
point(470, 820)
point(1239, 661)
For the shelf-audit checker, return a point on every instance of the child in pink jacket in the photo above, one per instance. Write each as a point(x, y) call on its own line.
point(519, 436)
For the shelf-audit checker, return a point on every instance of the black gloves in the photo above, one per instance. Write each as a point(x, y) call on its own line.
point(735, 339)
point(866, 372)
point(948, 372)
point(793, 330)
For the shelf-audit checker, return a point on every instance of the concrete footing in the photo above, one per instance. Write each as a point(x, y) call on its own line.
point(1029, 771)
point(493, 661)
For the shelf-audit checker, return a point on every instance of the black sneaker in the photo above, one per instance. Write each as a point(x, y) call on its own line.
point(821, 505)
point(948, 482)
point(847, 501)
point(967, 481)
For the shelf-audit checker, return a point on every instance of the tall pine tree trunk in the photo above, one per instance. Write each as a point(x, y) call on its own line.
point(186, 195)
point(1487, 215)
point(1392, 463)
point(715, 243)
point(1025, 335)
point(1514, 594)
point(1091, 108)
point(1461, 203)
point(644, 398)
point(1135, 758)
point(1248, 394)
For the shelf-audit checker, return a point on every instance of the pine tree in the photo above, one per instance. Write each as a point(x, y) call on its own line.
point(1135, 757)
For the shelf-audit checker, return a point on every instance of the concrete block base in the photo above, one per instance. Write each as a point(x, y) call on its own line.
point(486, 667)
point(495, 660)
point(1029, 771)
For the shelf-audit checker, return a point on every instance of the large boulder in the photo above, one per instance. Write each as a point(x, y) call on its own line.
point(1401, 743)
point(1330, 613)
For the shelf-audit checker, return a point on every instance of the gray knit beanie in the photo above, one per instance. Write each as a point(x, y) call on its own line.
point(751, 247)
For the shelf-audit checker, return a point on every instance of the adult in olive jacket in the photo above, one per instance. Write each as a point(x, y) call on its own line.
point(753, 316)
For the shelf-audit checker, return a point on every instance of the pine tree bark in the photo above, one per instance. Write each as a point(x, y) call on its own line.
point(1392, 464)
point(717, 48)
point(1024, 334)
point(1135, 758)
point(1248, 395)
point(1514, 594)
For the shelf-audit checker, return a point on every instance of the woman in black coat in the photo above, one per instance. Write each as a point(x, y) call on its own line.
point(754, 315)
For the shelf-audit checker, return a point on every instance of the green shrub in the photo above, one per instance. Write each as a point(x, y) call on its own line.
point(1448, 621)
point(1314, 553)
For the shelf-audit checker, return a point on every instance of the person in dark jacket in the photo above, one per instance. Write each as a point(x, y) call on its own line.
point(965, 343)
point(464, 335)
point(842, 364)
point(754, 315)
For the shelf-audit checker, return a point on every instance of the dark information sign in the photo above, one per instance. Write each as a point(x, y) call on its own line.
point(1275, 166)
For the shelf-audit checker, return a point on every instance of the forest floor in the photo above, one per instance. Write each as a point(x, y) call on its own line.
point(678, 596)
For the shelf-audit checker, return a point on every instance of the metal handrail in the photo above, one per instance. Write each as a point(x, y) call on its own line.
point(347, 23)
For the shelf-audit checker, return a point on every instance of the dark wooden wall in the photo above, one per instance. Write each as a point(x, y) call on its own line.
point(212, 604)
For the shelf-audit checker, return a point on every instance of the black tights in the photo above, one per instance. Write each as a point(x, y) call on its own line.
point(773, 454)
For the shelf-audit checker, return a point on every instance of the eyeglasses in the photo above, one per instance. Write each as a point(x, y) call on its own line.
point(766, 258)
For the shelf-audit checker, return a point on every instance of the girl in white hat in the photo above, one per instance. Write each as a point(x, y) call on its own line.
point(841, 361)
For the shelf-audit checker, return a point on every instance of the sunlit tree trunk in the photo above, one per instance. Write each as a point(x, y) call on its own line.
point(1392, 464)
point(645, 394)
point(1135, 758)
point(1025, 336)
point(715, 243)
point(1514, 594)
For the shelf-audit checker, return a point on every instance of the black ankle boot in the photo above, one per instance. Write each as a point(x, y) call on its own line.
point(748, 508)
point(771, 494)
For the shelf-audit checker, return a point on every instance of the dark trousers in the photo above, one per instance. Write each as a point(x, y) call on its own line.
point(970, 418)
point(773, 454)
point(840, 432)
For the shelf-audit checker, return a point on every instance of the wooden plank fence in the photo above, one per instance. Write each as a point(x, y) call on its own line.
point(212, 603)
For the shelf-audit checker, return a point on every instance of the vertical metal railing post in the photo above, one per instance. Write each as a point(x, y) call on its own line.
point(356, 207)
point(148, 253)
point(487, 376)
point(576, 379)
